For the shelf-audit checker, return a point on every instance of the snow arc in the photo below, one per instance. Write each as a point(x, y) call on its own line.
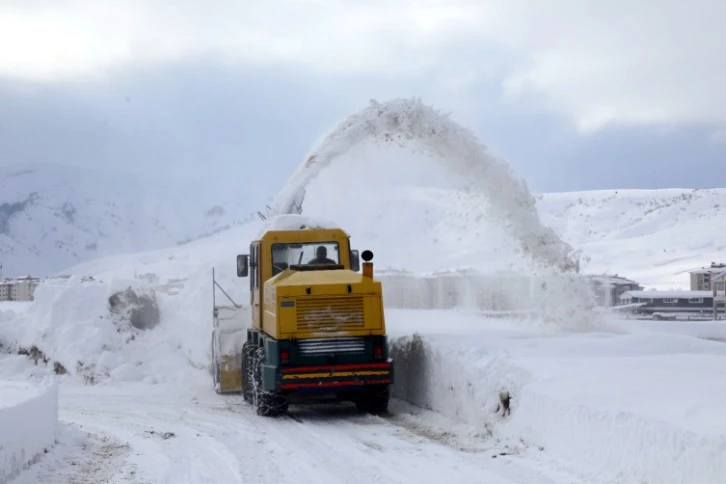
point(408, 123)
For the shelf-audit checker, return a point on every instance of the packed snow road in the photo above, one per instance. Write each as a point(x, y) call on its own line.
point(146, 434)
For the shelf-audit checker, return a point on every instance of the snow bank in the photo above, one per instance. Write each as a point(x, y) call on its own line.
point(28, 424)
point(74, 327)
point(72, 321)
point(627, 407)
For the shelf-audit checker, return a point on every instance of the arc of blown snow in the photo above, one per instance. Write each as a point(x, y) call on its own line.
point(408, 122)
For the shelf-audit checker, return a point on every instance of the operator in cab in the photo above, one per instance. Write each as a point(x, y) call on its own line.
point(321, 257)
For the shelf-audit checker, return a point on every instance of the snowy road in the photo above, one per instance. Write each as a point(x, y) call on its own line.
point(121, 435)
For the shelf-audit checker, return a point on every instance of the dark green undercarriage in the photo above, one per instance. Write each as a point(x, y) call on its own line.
point(271, 384)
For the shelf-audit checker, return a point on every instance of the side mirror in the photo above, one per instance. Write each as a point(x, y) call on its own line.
point(243, 265)
point(354, 261)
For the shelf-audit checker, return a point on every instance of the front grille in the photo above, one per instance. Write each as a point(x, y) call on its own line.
point(313, 347)
point(330, 313)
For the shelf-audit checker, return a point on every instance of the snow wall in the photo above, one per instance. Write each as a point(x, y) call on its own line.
point(114, 329)
point(504, 294)
point(465, 382)
point(72, 329)
point(28, 425)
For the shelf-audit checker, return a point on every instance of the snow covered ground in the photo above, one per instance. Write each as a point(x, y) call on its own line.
point(633, 402)
point(593, 399)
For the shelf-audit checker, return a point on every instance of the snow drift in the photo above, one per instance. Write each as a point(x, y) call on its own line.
point(78, 331)
point(28, 424)
point(144, 317)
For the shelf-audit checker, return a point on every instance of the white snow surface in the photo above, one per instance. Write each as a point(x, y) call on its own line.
point(594, 399)
point(28, 424)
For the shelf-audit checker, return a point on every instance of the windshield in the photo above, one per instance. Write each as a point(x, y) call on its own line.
point(312, 253)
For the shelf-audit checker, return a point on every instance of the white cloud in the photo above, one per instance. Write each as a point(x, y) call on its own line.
point(628, 62)
point(597, 62)
point(83, 37)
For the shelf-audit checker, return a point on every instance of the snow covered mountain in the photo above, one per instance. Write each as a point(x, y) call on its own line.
point(54, 216)
point(654, 236)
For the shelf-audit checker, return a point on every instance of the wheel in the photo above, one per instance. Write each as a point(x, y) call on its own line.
point(247, 373)
point(267, 403)
point(374, 400)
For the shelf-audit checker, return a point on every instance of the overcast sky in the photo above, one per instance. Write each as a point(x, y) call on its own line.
point(576, 94)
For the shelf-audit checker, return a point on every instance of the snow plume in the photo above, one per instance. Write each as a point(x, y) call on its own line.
point(411, 124)
point(369, 173)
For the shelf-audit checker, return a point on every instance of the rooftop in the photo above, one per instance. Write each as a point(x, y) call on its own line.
point(666, 294)
point(714, 268)
point(295, 222)
point(616, 279)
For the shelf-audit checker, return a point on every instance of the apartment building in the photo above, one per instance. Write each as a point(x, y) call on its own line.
point(19, 289)
point(704, 279)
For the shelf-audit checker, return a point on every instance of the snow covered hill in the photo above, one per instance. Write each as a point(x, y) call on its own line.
point(653, 236)
point(54, 216)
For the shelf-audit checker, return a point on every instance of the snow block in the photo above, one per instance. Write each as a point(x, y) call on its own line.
point(139, 309)
point(28, 425)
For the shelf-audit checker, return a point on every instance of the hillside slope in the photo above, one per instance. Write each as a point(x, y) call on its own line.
point(54, 216)
point(654, 236)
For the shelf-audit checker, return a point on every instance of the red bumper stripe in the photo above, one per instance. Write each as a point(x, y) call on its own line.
point(331, 368)
point(333, 384)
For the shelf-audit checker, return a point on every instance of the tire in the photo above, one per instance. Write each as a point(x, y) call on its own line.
point(267, 403)
point(247, 373)
point(374, 400)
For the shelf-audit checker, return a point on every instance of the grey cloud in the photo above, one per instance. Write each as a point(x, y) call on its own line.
point(230, 131)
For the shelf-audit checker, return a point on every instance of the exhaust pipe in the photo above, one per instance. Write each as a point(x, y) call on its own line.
point(367, 256)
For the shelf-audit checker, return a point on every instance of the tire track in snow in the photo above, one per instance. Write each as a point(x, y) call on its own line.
point(166, 445)
point(212, 438)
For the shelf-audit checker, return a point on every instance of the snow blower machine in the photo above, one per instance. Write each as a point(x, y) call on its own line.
point(314, 330)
